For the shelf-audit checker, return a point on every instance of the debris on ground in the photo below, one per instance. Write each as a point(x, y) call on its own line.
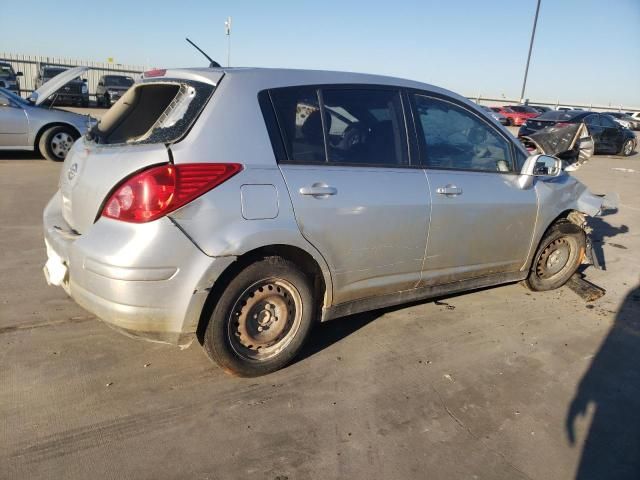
point(584, 289)
point(445, 304)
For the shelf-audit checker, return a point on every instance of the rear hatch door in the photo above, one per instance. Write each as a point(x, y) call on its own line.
point(136, 133)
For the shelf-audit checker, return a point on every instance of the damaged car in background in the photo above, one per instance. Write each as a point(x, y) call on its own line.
point(174, 217)
point(607, 136)
point(28, 125)
point(571, 143)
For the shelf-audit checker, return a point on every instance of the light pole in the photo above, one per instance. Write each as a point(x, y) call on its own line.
point(227, 31)
point(526, 70)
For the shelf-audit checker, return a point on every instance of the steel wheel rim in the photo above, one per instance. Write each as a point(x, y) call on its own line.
point(61, 143)
point(554, 259)
point(628, 147)
point(264, 319)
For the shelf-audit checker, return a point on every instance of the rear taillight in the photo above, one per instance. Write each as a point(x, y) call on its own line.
point(153, 193)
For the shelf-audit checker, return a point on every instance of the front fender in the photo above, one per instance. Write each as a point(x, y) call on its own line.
point(558, 197)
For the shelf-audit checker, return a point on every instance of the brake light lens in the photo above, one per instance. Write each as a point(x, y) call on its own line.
point(157, 191)
point(156, 72)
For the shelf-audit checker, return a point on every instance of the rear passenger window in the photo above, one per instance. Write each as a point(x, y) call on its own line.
point(300, 121)
point(365, 127)
point(457, 139)
point(593, 120)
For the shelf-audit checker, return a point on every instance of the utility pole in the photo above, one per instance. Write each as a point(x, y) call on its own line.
point(526, 70)
point(227, 31)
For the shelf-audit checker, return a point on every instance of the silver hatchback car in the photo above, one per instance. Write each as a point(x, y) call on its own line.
point(241, 206)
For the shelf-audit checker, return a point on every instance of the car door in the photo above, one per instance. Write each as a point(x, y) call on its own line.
point(611, 134)
point(356, 195)
point(14, 125)
point(596, 131)
point(481, 221)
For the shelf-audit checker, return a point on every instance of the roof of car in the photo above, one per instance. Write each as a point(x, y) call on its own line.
point(282, 77)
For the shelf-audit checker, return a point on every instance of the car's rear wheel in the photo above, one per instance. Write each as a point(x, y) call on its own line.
point(56, 142)
point(558, 257)
point(262, 318)
point(627, 148)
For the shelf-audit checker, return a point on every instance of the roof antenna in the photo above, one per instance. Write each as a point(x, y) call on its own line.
point(212, 63)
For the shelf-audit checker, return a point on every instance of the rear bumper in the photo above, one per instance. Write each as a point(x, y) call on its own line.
point(147, 280)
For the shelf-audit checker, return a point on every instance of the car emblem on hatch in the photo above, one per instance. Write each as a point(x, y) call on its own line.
point(71, 173)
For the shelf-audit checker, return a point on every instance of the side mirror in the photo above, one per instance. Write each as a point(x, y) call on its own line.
point(4, 102)
point(539, 166)
point(19, 74)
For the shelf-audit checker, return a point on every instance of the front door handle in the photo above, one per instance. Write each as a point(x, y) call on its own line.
point(318, 190)
point(449, 190)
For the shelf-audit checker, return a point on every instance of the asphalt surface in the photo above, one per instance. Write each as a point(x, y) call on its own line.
point(476, 386)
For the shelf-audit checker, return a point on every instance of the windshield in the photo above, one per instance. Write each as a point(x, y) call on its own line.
point(50, 72)
point(16, 98)
point(118, 81)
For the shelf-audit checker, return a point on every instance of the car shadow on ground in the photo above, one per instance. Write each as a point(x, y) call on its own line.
point(20, 155)
point(602, 231)
point(612, 385)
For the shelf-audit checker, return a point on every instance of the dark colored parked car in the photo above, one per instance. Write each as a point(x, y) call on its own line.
point(111, 88)
point(75, 92)
point(9, 78)
point(608, 136)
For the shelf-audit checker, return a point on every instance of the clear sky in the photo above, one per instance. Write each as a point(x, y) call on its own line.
point(585, 50)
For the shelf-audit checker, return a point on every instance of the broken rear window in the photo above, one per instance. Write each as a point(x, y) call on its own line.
point(153, 112)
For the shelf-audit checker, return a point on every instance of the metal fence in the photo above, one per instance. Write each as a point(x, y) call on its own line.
point(30, 64)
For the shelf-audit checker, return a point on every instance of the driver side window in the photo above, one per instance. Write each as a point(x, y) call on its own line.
point(455, 138)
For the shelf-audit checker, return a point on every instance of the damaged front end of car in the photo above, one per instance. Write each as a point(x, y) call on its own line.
point(588, 206)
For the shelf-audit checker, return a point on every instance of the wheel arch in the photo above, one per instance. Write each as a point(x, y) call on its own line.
point(320, 278)
point(574, 221)
point(47, 126)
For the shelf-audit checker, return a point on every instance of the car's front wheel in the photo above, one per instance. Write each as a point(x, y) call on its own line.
point(627, 148)
point(262, 318)
point(558, 257)
point(56, 142)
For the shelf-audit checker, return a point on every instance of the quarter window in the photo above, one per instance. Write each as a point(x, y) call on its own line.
point(457, 139)
point(298, 113)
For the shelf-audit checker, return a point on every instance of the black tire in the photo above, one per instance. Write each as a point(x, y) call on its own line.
point(559, 255)
point(56, 141)
point(627, 148)
point(243, 335)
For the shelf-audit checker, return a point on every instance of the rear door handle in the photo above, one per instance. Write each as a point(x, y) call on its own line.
point(449, 190)
point(318, 190)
